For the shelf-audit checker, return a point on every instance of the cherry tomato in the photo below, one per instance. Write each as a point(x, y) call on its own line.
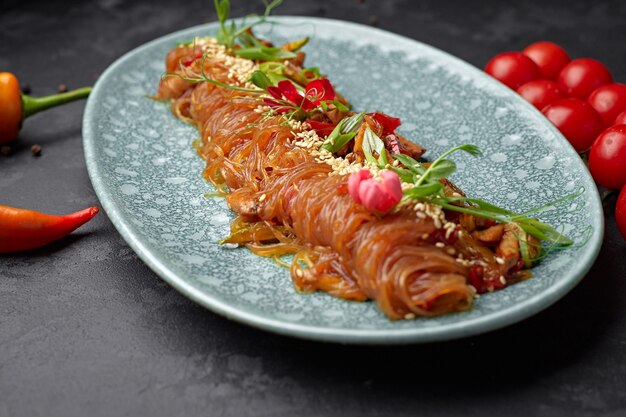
point(549, 57)
point(512, 69)
point(540, 93)
point(576, 120)
point(620, 212)
point(583, 75)
point(620, 119)
point(607, 159)
point(609, 101)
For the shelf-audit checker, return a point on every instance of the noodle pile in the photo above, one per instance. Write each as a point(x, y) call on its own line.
point(288, 201)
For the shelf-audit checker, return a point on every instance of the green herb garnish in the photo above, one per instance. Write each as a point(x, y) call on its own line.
point(229, 33)
point(343, 133)
point(372, 144)
point(428, 186)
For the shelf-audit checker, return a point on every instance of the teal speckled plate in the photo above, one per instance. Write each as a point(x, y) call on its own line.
point(148, 178)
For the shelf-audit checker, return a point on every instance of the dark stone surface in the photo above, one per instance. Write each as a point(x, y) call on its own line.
point(86, 329)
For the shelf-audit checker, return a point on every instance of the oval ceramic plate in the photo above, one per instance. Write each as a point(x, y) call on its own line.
point(148, 178)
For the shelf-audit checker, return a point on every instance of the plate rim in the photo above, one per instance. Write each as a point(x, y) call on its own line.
point(482, 324)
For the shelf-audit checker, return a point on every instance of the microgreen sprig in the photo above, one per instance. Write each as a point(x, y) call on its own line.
point(229, 33)
point(442, 168)
point(198, 77)
point(428, 187)
point(532, 226)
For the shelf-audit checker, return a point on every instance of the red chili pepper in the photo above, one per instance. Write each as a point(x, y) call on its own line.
point(15, 106)
point(22, 229)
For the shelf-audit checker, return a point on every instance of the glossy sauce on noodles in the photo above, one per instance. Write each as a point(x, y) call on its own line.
point(288, 202)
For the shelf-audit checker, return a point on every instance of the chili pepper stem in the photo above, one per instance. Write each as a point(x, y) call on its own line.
point(32, 105)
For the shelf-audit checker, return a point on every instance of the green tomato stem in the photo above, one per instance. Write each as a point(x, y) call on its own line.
point(32, 105)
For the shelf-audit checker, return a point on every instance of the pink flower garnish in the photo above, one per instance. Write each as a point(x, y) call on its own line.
point(376, 196)
point(287, 97)
point(354, 183)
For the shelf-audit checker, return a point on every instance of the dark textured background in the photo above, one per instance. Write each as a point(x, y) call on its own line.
point(86, 329)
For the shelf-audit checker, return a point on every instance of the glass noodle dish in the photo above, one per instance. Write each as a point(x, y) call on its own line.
point(364, 216)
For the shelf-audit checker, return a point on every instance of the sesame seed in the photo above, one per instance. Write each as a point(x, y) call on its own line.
point(409, 316)
point(502, 280)
point(440, 245)
point(239, 69)
point(263, 197)
point(463, 262)
point(499, 260)
point(299, 273)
